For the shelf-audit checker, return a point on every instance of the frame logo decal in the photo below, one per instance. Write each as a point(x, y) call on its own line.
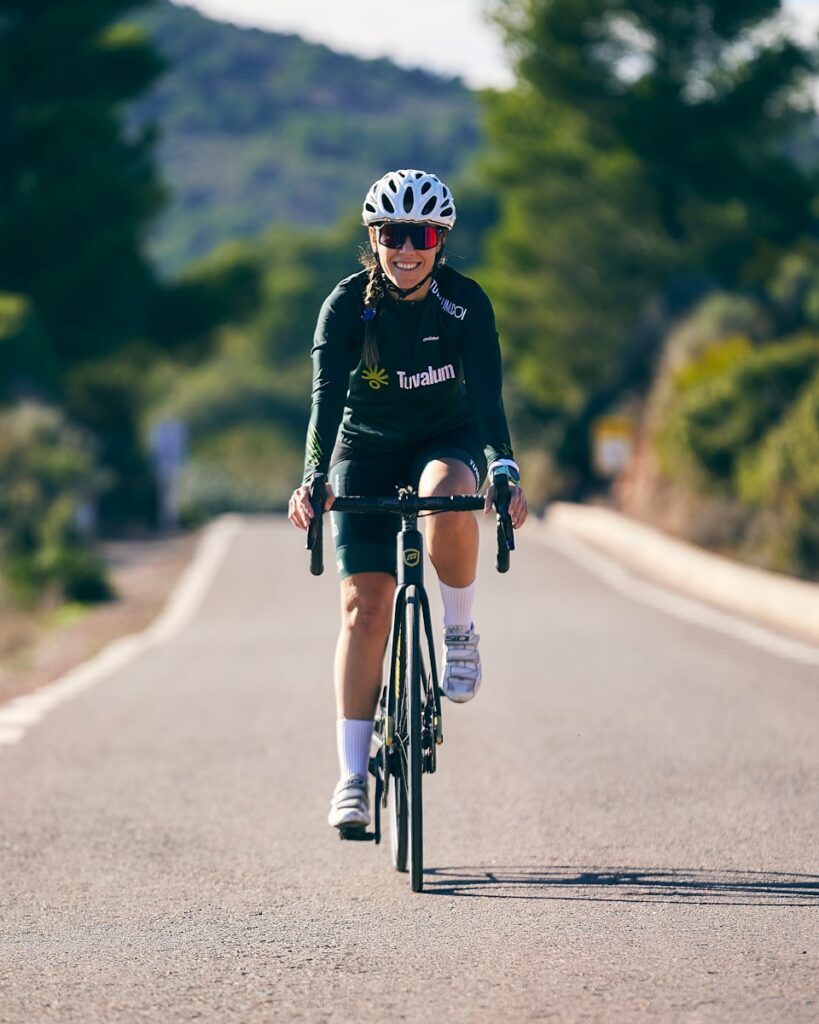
point(412, 556)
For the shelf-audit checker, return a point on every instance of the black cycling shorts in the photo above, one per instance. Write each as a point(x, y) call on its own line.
point(365, 542)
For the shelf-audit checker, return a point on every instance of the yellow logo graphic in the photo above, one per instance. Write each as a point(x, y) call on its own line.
point(412, 556)
point(376, 378)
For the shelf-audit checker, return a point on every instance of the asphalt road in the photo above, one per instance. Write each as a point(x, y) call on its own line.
point(623, 826)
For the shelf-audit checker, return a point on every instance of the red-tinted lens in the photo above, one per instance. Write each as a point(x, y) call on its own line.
point(422, 236)
point(429, 237)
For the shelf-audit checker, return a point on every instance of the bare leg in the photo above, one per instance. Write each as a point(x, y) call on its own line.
point(366, 617)
point(452, 537)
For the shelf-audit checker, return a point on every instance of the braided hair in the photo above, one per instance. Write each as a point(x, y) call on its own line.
point(373, 293)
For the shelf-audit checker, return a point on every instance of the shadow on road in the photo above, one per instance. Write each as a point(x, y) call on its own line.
point(627, 885)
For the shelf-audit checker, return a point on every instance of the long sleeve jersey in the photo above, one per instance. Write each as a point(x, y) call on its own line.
point(439, 368)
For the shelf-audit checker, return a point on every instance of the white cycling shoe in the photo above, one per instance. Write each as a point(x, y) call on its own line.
point(461, 672)
point(350, 804)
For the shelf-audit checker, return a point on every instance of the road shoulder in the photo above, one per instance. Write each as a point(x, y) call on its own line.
point(780, 602)
point(143, 574)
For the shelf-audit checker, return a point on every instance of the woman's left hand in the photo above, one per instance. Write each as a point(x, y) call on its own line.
point(518, 506)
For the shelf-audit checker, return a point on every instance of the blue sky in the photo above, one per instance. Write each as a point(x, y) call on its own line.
point(448, 36)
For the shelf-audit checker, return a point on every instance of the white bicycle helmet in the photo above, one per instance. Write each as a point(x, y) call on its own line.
point(408, 195)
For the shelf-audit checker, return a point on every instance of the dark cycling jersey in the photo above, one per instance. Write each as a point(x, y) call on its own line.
point(439, 369)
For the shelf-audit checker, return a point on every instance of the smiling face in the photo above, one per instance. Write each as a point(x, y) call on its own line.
point(406, 266)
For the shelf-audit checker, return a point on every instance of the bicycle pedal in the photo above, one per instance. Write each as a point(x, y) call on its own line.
point(356, 835)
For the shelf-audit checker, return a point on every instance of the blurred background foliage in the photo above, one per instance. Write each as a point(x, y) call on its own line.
point(259, 128)
point(178, 196)
point(48, 470)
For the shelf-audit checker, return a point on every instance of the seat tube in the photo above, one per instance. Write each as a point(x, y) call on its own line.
point(410, 568)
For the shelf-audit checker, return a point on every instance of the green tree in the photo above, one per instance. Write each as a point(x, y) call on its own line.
point(76, 194)
point(704, 94)
point(643, 155)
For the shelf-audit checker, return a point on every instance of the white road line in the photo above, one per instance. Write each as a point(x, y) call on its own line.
point(19, 715)
point(620, 579)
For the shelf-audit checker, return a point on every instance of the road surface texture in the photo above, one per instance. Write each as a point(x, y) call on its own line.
point(623, 826)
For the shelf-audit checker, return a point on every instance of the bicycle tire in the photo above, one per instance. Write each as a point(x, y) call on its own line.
point(399, 822)
point(396, 759)
point(416, 754)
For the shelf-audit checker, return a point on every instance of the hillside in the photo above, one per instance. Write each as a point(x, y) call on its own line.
point(258, 127)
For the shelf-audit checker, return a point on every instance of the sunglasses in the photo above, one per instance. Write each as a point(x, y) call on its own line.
point(421, 236)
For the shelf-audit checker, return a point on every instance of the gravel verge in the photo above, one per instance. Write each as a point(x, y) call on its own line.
point(36, 651)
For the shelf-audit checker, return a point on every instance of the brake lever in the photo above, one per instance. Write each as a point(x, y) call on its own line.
point(505, 531)
point(315, 531)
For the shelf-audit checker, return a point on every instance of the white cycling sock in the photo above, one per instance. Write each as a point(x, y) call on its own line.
point(458, 603)
point(353, 741)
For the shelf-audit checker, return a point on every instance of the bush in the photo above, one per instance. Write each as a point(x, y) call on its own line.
point(107, 397)
point(794, 290)
point(249, 467)
point(231, 389)
point(74, 572)
point(735, 426)
point(27, 361)
point(246, 424)
point(781, 479)
point(717, 318)
point(713, 425)
point(48, 469)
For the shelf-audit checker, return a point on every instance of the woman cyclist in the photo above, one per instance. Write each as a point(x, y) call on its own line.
point(406, 389)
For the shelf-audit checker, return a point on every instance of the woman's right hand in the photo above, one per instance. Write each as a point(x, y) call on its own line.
point(299, 509)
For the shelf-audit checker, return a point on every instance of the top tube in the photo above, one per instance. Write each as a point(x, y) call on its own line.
point(409, 503)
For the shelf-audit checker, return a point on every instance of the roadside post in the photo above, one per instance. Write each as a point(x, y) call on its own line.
point(169, 447)
point(612, 445)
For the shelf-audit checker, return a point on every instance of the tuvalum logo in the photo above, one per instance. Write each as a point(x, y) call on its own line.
point(376, 377)
point(408, 381)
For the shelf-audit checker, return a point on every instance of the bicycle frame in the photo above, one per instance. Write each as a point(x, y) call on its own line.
point(410, 572)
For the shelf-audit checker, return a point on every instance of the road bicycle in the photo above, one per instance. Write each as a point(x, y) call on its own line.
point(408, 727)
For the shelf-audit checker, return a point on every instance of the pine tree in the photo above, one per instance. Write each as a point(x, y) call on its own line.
point(646, 141)
point(76, 192)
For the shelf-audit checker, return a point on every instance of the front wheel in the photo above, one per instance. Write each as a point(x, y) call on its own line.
point(396, 755)
point(416, 753)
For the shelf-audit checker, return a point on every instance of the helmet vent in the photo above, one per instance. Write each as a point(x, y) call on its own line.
point(429, 206)
point(386, 202)
point(409, 200)
point(426, 187)
point(392, 184)
point(446, 212)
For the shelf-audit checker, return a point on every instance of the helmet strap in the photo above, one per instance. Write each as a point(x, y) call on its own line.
point(404, 293)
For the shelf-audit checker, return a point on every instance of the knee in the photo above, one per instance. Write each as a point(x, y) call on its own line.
point(367, 606)
point(448, 525)
point(442, 478)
